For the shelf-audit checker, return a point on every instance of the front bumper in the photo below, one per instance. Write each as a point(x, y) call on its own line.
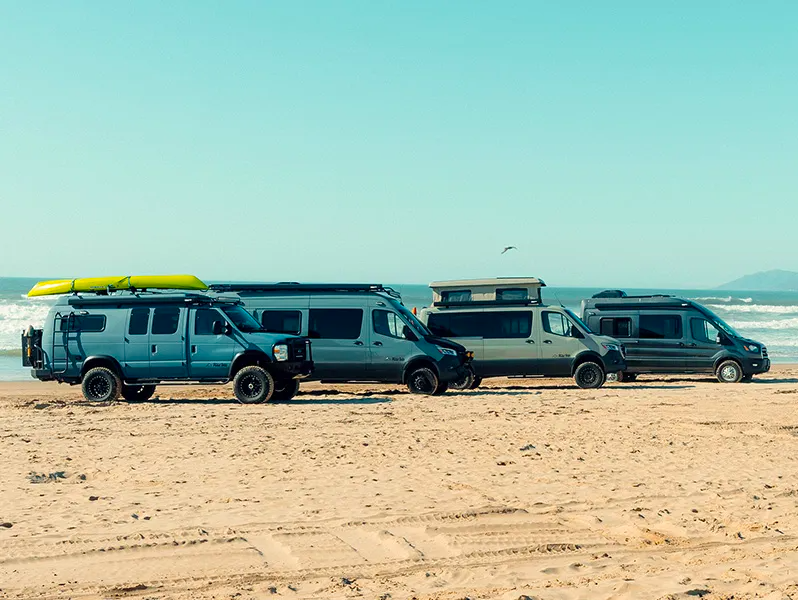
point(614, 361)
point(756, 365)
point(293, 369)
point(452, 368)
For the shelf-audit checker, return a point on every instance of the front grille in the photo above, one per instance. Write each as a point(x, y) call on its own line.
point(764, 352)
point(623, 351)
point(299, 350)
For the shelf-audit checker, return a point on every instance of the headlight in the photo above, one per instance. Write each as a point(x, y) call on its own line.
point(280, 352)
point(446, 351)
point(751, 348)
point(612, 347)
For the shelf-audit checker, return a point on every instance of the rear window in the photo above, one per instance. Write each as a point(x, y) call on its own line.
point(86, 323)
point(660, 327)
point(282, 321)
point(489, 325)
point(165, 320)
point(618, 327)
point(335, 323)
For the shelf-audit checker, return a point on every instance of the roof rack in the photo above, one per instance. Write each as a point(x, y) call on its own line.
point(454, 304)
point(286, 286)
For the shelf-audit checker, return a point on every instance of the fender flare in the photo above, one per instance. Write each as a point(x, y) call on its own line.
point(418, 361)
point(587, 356)
point(101, 360)
point(247, 358)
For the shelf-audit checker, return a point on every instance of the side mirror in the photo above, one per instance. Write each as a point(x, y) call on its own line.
point(217, 328)
point(409, 334)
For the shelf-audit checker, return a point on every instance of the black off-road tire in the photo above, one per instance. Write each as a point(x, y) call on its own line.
point(253, 385)
point(133, 393)
point(589, 376)
point(423, 380)
point(101, 384)
point(465, 382)
point(729, 371)
point(477, 382)
point(285, 389)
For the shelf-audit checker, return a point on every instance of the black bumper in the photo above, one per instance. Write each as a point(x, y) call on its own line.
point(755, 365)
point(293, 369)
point(452, 368)
point(42, 374)
point(613, 362)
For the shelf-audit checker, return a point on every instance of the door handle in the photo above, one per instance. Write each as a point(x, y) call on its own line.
point(378, 343)
point(547, 342)
point(530, 341)
point(358, 343)
point(154, 348)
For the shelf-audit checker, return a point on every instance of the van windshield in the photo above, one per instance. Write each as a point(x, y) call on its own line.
point(720, 323)
point(411, 318)
point(242, 319)
point(582, 324)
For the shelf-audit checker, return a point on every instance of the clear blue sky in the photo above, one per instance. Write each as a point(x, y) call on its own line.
point(632, 144)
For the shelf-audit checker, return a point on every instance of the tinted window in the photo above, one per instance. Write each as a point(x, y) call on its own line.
point(704, 331)
point(139, 319)
point(165, 320)
point(335, 323)
point(557, 324)
point(491, 325)
point(621, 327)
point(86, 323)
point(512, 294)
point(282, 321)
point(204, 320)
point(456, 296)
point(388, 323)
point(660, 327)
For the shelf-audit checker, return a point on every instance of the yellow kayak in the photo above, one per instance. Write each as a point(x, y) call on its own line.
point(103, 284)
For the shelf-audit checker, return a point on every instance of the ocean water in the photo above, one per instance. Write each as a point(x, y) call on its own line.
point(768, 317)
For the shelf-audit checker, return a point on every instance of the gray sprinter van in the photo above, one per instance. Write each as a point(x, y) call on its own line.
point(511, 332)
point(360, 332)
point(666, 334)
point(126, 343)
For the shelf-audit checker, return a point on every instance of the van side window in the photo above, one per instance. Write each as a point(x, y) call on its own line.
point(165, 320)
point(335, 323)
point(86, 323)
point(489, 325)
point(557, 324)
point(388, 323)
point(618, 327)
point(139, 319)
point(512, 294)
point(456, 296)
point(282, 321)
point(660, 327)
point(704, 331)
point(204, 320)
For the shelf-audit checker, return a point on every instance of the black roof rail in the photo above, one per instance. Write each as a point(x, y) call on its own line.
point(286, 286)
point(453, 304)
point(138, 299)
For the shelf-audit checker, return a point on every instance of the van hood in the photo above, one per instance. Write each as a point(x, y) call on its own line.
point(605, 339)
point(444, 343)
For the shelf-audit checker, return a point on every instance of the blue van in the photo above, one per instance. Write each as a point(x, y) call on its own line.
point(126, 343)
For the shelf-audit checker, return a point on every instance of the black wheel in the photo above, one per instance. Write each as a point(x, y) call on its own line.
point(729, 371)
point(285, 390)
point(137, 392)
point(101, 384)
point(465, 381)
point(626, 376)
point(589, 375)
point(477, 382)
point(253, 385)
point(423, 380)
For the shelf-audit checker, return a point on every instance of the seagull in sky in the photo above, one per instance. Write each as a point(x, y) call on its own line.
point(509, 248)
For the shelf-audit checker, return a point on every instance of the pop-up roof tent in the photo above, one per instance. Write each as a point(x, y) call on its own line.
point(493, 290)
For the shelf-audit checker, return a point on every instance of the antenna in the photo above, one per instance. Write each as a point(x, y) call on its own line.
point(557, 298)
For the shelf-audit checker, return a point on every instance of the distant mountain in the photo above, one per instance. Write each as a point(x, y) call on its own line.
point(775, 280)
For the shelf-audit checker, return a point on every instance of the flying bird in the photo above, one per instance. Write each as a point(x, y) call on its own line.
point(509, 248)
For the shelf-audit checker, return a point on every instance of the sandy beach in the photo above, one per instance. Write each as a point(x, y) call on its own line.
point(669, 487)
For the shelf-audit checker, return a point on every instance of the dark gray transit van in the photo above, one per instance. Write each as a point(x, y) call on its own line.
point(511, 332)
point(666, 334)
point(359, 332)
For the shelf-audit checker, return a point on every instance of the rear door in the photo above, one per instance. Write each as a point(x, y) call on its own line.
point(339, 338)
point(509, 344)
point(209, 355)
point(137, 343)
point(168, 343)
point(660, 344)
